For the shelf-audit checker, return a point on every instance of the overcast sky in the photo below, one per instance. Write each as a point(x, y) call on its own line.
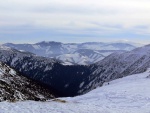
point(29, 21)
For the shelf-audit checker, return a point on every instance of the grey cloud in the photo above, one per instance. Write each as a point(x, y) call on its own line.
point(58, 8)
point(75, 19)
point(141, 27)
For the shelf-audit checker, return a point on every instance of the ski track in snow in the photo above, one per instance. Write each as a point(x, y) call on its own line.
point(125, 95)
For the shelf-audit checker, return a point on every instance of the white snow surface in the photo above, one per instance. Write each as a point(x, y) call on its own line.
point(73, 58)
point(125, 95)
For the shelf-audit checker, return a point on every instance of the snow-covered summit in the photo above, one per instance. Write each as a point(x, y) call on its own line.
point(2, 47)
point(47, 43)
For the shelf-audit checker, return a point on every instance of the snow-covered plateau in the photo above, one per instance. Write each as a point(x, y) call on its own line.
point(130, 94)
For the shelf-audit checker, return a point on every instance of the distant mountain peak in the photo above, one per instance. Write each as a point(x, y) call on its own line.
point(47, 42)
point(129, 42)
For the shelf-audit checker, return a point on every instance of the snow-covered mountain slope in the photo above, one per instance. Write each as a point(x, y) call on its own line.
point(61, 79)
point(76, 79)
point(84, 56)
point(14, 87)
point(76, 58)
point(118, 65)
point(89, 52)
point(125, 95)
point(127, 63)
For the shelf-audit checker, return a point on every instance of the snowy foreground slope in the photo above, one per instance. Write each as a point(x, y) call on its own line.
point(125, 95)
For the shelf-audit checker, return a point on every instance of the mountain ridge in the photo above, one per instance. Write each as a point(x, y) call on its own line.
point(68, 52)
point(72, 80)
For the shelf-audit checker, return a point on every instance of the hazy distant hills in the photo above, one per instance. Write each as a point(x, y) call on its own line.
point(73, 53)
